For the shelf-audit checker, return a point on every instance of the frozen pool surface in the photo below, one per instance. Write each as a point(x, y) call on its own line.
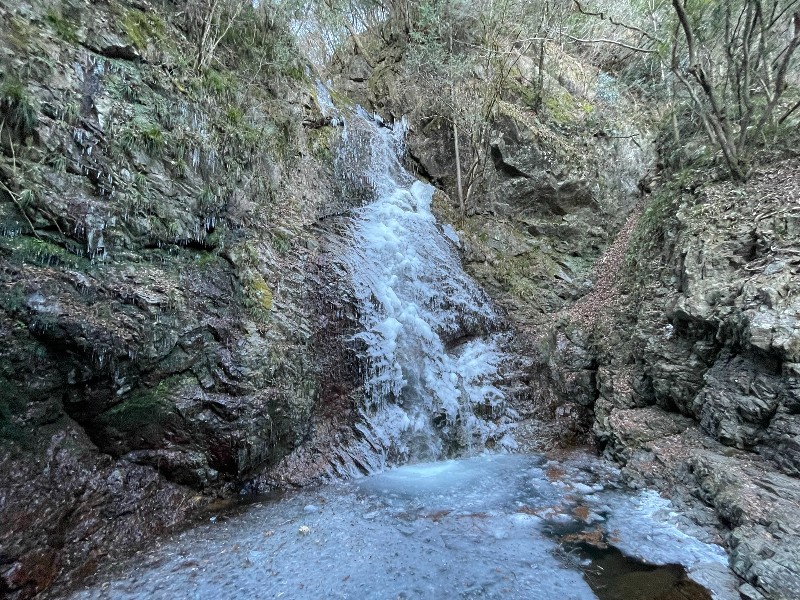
point(502, 526)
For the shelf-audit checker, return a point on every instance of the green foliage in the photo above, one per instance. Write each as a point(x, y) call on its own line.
point(70, 112)
point(252, 36)
point(26, 198)
point(65, 30)
point(26, 249)
point(235, 115)
point(320, 142)
point(18, 33)
point(17, 108)
point(208, 199)
point(281, 242)
point(657, 218)
point(204, 259)
point(58, 162)
point(141, 133)
point(141, 28)
point(218, 83)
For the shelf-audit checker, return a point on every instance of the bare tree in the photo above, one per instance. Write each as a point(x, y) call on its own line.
point(759, 40)
point(466, 54)
point(210, 21)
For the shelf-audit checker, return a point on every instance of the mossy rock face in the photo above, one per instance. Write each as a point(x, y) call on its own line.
point(43, 252)
point(133, 341)
point(65, 23)
point(141, 409)
point(13, 401)
point(143, 28)
point(19, 109)
point(261, 293)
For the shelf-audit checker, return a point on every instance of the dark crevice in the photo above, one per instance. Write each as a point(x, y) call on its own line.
point(504, 167)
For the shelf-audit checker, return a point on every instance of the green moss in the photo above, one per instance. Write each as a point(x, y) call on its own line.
point(519, 274)
point(63, 28)
point(216, 239)
point(17, 108)
point(255, 296)
point(148, 406)
point(320, 141)
point(261, 292)
point(280, 242)
point(26, 249)
point(141, 28)
point(562, 108)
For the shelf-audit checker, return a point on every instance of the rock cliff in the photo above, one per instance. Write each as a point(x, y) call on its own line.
point(160, 266)
point(696, 377)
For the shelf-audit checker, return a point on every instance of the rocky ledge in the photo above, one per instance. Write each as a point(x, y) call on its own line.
point(694, 362)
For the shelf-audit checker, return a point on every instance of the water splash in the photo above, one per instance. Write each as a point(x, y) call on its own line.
point(431, 358)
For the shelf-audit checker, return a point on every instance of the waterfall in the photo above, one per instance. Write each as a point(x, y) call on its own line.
point(426, 327)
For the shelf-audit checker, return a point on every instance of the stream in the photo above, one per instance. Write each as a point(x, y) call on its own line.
point(403, 518)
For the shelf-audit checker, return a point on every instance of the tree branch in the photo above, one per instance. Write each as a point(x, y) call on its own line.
point(614, 42)
point(602, 16)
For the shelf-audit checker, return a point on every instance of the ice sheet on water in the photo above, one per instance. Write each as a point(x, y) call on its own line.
point(647, 526)
point(471, 528)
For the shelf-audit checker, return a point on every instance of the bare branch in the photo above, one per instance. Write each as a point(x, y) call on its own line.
point(18, 203)
point(788, 113)
point(687, 29)
point(613, 42)
point(603, 17)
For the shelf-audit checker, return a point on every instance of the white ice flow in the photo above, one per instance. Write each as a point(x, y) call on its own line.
point(431, 361)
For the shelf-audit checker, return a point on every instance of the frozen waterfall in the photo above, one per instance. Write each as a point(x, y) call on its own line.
point(431, 360)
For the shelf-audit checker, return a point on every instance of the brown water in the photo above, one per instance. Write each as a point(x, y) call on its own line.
point(614, 576)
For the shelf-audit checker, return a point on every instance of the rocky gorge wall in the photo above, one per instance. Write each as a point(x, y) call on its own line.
point(162, 275)
point(561, 182)
point(696, 377)
point(172, 312)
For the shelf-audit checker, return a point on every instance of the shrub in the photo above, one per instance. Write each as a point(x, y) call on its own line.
point(18, 110)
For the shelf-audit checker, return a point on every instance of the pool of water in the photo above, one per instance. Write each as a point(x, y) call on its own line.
point(493, 526)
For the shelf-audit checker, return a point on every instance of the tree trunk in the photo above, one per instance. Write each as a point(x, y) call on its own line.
point(461, 208)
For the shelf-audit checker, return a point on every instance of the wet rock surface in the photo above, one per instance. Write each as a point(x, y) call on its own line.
point(695, 367)
point(157, 244)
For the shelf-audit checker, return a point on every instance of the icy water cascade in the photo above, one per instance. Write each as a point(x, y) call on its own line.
point(431, 361)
